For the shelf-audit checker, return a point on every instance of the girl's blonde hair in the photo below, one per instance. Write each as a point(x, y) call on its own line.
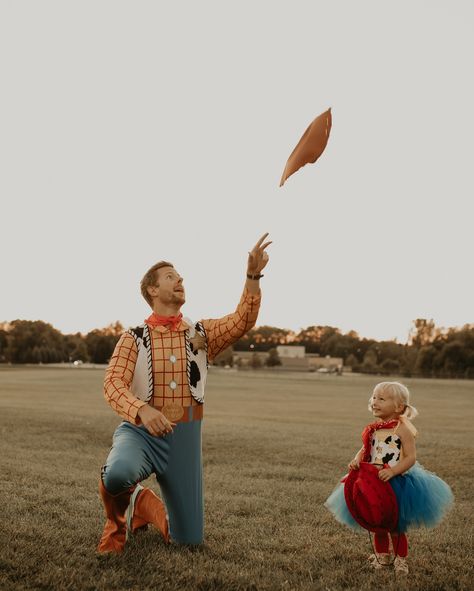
point(400, 394)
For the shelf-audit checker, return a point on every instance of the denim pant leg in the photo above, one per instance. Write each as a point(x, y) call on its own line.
point(176, 460)
point(135, 454)
point(181, 484)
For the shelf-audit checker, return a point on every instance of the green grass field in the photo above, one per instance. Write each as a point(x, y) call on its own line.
point(275, 445)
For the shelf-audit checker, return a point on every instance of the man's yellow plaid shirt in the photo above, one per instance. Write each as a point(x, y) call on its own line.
point(169, 359)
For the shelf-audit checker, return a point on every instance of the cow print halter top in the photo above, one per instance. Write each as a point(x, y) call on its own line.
point(385, 447)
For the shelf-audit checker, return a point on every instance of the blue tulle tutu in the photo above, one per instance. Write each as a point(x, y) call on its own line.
point(423, 500)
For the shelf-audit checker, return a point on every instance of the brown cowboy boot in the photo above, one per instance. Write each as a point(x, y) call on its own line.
point(145, 508)
point(115, 529)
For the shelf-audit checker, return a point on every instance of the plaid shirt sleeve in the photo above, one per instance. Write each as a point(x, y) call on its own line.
point(118, 378)
point(223, 332)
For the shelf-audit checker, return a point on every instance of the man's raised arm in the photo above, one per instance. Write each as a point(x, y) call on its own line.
point(223, 332)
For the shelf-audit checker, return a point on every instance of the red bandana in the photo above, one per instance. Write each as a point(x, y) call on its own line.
point(367, 434)
point(156, 320)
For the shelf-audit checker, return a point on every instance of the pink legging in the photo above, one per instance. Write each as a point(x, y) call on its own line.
point(399, 543)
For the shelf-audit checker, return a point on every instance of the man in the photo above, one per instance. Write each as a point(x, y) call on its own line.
point(155, 381)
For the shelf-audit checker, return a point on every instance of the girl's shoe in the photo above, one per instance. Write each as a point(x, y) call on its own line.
point(378, 561)
point(401, 565)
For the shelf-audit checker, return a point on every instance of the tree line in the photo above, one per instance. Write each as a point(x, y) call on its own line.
point(430, 352)
point(34, 341)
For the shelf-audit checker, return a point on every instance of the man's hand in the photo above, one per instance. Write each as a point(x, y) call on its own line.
point(258, 258)
point(155, 421)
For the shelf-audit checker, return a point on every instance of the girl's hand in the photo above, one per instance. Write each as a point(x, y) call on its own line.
point(354, 464)
point(385, 474)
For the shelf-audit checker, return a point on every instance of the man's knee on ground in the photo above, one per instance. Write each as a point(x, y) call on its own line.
point(188, 541)
point(188, 534)
point(119, 476)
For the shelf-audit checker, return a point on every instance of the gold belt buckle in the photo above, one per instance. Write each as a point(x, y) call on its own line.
point(173, 411)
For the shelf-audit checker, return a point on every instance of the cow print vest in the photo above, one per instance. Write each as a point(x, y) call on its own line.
point(196, 363)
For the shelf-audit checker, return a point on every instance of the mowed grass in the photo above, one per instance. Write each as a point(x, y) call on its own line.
point(275, 445)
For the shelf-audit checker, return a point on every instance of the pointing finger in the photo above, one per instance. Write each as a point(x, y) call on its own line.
point(261, 240)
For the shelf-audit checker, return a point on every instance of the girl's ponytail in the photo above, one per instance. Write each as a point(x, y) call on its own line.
point(410, 412)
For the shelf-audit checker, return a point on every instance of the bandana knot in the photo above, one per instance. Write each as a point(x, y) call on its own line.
point(157, 320)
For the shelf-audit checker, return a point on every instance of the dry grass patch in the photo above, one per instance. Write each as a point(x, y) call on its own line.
point(274, 447)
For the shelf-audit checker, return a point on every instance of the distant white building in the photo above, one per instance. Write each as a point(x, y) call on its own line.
point(294, 358)
point(291, 351)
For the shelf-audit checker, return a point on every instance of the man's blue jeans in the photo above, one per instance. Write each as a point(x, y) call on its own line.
point(175, 459)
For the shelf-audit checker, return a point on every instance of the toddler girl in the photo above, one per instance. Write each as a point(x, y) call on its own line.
point(389, 445)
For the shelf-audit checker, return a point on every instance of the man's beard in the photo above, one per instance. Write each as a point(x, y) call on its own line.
point(178, 298)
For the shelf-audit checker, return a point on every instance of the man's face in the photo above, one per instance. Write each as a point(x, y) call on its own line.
point(169, 287)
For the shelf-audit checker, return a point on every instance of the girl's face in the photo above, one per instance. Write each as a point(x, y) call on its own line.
point(384, 407)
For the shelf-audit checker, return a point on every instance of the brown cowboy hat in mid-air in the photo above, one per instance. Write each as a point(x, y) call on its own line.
point(311, 145)
point(371, 501)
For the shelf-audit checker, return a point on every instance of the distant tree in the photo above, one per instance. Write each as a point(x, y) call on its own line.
point(432, 351)
point(389, 350)
point(390, 366)
point(273, 358)
point(363, 346)
point(36, 355)
point(255, 361)
point(3, 345)
point(425, 360)
point(225, 357)
point(371, 357)
point(369, 365)
point(314, 338)
point(422, 333)
point(469, 373)
point(34, 342)
point(115, 329)
point(101, 343)
point(339, 345)
point(264, 338)
point(76, 347)
point(408, 361)
point(351, 361)
point(453, 360)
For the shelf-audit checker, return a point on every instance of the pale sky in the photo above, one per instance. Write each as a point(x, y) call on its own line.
point(137, 131)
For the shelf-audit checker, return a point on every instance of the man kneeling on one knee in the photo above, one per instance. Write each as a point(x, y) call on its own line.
point(155, 381)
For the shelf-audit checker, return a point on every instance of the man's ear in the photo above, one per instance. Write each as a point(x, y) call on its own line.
point(152, 291)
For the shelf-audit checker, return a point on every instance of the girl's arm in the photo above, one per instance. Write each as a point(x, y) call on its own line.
point(409, 451)
point(355, 463)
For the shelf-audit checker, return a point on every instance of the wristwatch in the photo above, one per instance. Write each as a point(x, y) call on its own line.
point(254, 276)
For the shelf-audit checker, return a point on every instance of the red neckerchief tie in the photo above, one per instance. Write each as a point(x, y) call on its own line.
point(157, 320)
point(368, 431)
